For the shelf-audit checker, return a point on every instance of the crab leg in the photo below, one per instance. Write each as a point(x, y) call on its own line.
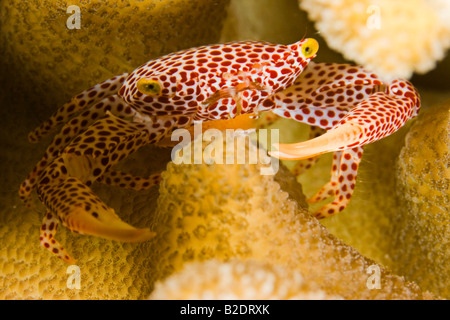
point(302, 165)
point(125, 180)
point(355, 107)
point(74, 127)
point(64, 184)
point(47, 236)
point(343, 177)
point(77, 104)
point(80, 210)
point(268, 119)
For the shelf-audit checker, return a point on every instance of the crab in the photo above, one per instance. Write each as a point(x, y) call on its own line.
point(347, 107)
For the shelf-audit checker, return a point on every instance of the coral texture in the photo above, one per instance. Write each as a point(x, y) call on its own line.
point(108, 269)
point(204, 212)
point(423, 228)
point(276, 21)
point(374, 217)
point(51, 63)
point(232, 211)
point(399, 213)
point(128, 271)
point(237, 279)
point(382, 35)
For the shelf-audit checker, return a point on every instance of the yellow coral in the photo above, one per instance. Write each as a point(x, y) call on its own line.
point(204, 212)
point(52, 63)
point(43, 64)
point(269, 20)
point(232, 211)
point(401, 198)
point(392, 37)
point(109, 269)
point(277, 21)
point(114, 270)
point(424, 185)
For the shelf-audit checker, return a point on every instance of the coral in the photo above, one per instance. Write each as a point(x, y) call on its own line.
point(369, 223)
point(276, 21)
point(203, 212)
point(282, 21)
point(109, 269)
point(251, 20)
point(391, 37)
point(227, 212)
point(398, 213)
point(52, 63)
point(236, 279)
point(422, 235)
point(372, 223)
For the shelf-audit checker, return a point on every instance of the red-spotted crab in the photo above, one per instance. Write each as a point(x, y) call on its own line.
point(113, 119)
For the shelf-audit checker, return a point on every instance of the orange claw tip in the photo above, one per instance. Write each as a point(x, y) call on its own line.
point(108, 226)
point(338, 138)
point(295, 151)
point(123, 233)
point(139, 235)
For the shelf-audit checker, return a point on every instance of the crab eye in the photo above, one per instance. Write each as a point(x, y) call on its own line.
point(149, 87)
point(310, 48)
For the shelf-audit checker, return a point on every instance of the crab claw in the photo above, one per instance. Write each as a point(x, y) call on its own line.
point(78, 207)
point(88, 215)
point(370, 120)
point(341, 137)
point(105, 224)
point(71, 202)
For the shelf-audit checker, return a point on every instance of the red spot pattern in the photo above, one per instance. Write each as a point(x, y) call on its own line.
point(218, 68)
point(341, 186)
point(113, 119)
point(335, 95)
